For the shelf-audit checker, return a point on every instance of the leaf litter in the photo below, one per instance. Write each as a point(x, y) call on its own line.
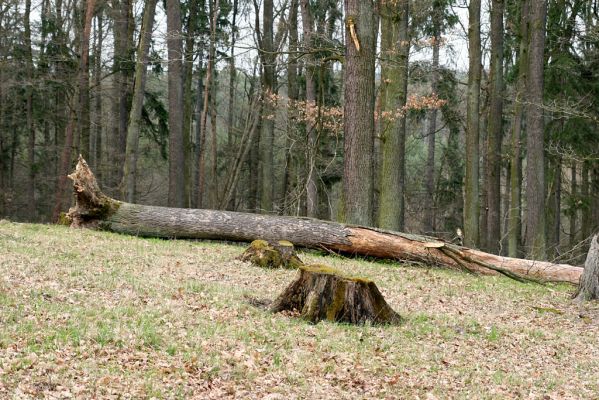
point(89, 314)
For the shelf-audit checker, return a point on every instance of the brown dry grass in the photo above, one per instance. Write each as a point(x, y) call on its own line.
point(95, 315)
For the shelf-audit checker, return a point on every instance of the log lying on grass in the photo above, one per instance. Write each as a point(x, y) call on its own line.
point(323, 293)
point(96, 210)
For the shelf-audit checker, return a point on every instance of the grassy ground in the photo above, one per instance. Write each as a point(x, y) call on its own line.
point(87, 314)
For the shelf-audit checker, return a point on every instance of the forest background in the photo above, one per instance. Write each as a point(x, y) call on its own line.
point(368, 112)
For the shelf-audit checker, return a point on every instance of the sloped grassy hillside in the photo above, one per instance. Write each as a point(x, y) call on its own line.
point(88, 314)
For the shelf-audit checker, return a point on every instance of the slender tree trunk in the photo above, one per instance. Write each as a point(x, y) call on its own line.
point(133, 131)
point(391, 200)
point(231, 112)
point(311, 126)
point(471, 201)
point(574, 210)
point(360, 48)
point(207, 101)
point(199, 145)
point(31, 205)
point(232, 79)
point(213, 192)
point(176, 176)
point(292, 117)
point(265, 42)
point(535, 164)
point(554, 206)
point(98, 155)
point(585, 228)
point(122, 19)
point(515, 213)
point(495, 130)
point(188, 101)
point(429, 208)
point(83, 115)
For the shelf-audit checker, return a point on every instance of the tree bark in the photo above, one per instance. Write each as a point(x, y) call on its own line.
point(322, 293)
point(429, 181)
point(311, 125)
point(268, 123)
point(535, 127)
point(393, 138)
point(360, 49)
point(96, 210)
point(32, 209)
point(515, 214)
point(176, 175)
point(471, 202)
point(495, 130)
point(589, 282)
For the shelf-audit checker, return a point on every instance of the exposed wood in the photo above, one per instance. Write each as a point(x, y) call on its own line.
point(589, 282)
point(94, 209)
point(322, 293)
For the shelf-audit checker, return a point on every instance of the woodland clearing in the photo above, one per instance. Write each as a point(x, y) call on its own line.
point(88, 314)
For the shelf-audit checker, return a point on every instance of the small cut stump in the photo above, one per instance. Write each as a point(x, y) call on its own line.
point(323, 293)
point(271, 254)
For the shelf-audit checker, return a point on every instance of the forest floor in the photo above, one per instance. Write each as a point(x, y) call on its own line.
point(87, 314)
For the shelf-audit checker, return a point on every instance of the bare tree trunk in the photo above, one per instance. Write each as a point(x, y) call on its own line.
point(83, 118)
point(94, 209)
point(535, 162)
point(206, 103)
point(360, 38)
point(495, 130)
point(586, 211)
point(268, 124)
point(31, 205)
point(122, 32)
point(292, 117)
point(98, 155)
point(515, 214)
point(199, 145)
point(176, 175)
point(311, 126)
point(471, 201)
point(188, 101)
point(574, 211)
point(133, 130)
point(391, 200)
point(429, 207)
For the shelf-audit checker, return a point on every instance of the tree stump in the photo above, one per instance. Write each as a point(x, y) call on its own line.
point(589, 281)
point(323, 293)
point(271, 254)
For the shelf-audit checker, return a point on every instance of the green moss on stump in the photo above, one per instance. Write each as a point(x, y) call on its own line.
point(271, 254)
point(324, 293)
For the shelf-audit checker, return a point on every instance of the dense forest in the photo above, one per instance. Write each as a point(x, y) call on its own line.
point(466, 120)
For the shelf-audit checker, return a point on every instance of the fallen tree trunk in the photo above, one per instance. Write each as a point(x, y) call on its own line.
point(96, 210)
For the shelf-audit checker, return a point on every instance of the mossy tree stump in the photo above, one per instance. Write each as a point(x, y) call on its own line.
point(271, 254)
point(323, 293)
